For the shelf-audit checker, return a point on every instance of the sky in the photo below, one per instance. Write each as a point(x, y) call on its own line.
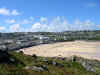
point(49, 15)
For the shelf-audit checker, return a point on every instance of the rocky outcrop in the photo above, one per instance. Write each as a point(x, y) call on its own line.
point(87, 64)
point(4, 56)
point(37, 68)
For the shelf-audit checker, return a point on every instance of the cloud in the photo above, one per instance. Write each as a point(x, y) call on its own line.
point(11, 21)
point(43, 19)
point(14, 28)
point(8, 12)
point(85, 25)
point(15, 12)
point(97, 27)
point(36, 27)
point(4, 11)
point(2, 29)
point(25, 21)
point(30, 20)
point(57, 24)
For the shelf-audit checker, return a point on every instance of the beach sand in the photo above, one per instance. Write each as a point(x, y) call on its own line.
point(85, 49)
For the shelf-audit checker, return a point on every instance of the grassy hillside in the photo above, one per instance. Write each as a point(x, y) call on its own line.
point(23, 65)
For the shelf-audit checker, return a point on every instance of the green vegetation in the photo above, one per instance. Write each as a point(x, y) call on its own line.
point(66, 67)
point(96, 38)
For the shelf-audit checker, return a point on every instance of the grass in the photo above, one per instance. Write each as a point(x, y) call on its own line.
point(21, 60)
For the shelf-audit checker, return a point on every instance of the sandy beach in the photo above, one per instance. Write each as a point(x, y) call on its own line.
point(85, 49)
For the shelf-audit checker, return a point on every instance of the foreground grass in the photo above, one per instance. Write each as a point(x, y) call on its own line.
point(21, 60)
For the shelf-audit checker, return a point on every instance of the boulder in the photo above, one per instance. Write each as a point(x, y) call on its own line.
point(35, 68)
point(44, 60)
point(57, 64)
point(39, 69)
point(54, 63)
point(21, 52)
point(4, 56)
point(74, 58)
point(44, 67)
point(88, 66)
point(34, 56)
point(12, 59)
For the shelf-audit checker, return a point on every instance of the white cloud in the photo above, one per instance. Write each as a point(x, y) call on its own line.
point(11, 21)
point(8, 12)
point(30, 20)
point(77, 22)
point(85, 25)
point(25, 21)
point(43, 19)
point(98, 26)
point(88, 23)
point(4, 11)
point(15, 28)
point(36, 27)
point(15, 12)
point(57, 24)
point(2, 28)
point(60, 24)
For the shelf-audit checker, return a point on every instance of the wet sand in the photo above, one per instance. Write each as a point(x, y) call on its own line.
point(85, 49)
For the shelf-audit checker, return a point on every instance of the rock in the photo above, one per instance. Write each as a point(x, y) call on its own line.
point(88, 66)
point(3, 47)
point(74, 58)
point(44, 60)
point(54, 63)
point(34, 56)
point(44, 67)
point(57, 64)
point(49, 62)
point(35, 68)
point(62, 58)
point(39, 69)
point(12, 60)
point(21, 52)
point(28, 67)
point(4, 56)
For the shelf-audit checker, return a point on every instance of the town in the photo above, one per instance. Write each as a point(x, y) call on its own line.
point(18, 40)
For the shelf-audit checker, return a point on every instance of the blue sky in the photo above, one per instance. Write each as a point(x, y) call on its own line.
point(49, 15)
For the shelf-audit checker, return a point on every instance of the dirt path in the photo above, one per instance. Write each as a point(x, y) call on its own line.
point(65, 49)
